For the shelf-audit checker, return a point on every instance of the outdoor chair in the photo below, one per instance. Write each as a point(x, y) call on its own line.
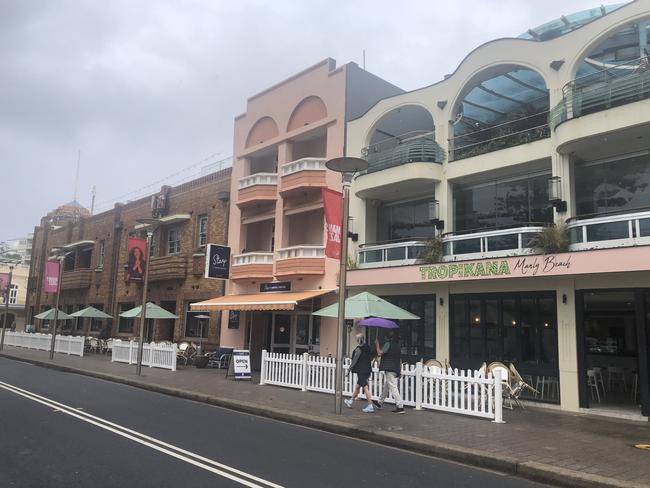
point(592, 384)
point(519, 385)
point(508, 392)
point(185, 355)
point(434, 363)
point(220, 358)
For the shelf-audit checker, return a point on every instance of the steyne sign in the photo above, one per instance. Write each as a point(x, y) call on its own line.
point(618, 260)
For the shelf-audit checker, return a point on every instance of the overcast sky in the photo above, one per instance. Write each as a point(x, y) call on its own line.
point(154, 85)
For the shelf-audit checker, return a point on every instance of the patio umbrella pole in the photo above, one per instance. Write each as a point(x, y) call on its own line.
point(56, 307)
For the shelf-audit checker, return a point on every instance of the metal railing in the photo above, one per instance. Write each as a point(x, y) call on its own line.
point(502, 136)
point(514, 241)
point(610, 87)
point(392, 253)
point(412, 147)
point(608, 231)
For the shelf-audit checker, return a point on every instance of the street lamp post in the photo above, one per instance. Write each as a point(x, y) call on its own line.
point(6, 319)
point(60, 258)
point(152, 226)
point(347, 167)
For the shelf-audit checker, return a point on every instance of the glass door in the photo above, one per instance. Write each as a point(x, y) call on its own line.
point(281, 332)
point(303, 333)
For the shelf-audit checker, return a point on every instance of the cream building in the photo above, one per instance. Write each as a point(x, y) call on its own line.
point(549, 128)
point(17, 296)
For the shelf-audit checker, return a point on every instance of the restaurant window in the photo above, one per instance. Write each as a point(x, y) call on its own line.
point(417, 337)
point(404, 220)
point(192, 324)
point(517, 328)
point(79, 321)
point(125, 325)
point(174, 240)
point(100, 255)
point(202, 230)
point(96, 324)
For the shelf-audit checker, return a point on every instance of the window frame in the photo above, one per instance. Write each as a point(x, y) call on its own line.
point(176, 243)
point(202, 230)
point(101, 251)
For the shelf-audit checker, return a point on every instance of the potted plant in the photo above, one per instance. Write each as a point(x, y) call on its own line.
point(552, 240)
point(432, 252)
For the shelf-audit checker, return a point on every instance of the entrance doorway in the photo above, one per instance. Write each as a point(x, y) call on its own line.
point(295, 333)
point(614, 366)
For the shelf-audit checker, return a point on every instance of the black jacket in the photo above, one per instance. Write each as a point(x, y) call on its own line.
point(391, 360)
point(361, 360)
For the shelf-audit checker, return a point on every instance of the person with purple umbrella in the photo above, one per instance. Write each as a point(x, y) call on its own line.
point(361, 365)
point(391, 365)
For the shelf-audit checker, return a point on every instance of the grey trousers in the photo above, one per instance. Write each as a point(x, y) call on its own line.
point(390, 386)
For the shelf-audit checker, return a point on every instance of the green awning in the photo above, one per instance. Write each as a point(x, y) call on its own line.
point(49, 315)
point(91, 312)
point(367, 305)
point(153, 312)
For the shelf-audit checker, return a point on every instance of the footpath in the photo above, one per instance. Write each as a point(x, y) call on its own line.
point(558, 448)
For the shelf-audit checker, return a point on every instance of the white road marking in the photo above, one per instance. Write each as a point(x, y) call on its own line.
point(189, 457)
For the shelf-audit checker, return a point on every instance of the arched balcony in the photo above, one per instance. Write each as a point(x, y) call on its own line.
point(500, 111)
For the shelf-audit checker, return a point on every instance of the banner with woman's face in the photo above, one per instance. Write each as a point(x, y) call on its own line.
point(137, 259)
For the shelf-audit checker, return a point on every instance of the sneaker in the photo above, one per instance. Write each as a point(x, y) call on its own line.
point(398, 410)
point(348, 403)
point(376, 404)
point(368, 409)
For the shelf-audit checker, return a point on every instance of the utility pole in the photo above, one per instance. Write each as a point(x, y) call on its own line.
point(60, 258)
point(6, 318)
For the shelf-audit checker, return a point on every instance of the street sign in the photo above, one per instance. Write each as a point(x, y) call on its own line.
point(217, 262)
point(275, 286)
point(240, 364)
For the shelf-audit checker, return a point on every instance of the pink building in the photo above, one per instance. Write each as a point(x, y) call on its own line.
point(279, 272)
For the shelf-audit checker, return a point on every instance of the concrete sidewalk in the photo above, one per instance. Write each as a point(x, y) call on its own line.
point(553, 447)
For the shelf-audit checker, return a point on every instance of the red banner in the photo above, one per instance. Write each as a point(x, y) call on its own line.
point(333, 203)
point(137, 259)
point(51, 277)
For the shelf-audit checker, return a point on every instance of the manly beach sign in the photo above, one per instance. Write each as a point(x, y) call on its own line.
point(616, 260)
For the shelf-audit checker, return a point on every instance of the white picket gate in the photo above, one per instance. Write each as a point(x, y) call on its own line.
point(153, 355)
point(71, 345)
point(463, 392)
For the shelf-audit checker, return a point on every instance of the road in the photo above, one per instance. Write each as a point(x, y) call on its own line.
point(65, 430)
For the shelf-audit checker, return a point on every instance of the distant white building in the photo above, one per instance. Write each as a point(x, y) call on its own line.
point(17, 249)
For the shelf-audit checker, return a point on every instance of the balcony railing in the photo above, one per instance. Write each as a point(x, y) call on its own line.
point(163, 268)
point(261, 257)
point(258, 179)
point(607, 231)
point(301, 252)
point(304, 164)
point(393, 253)
point(613, 86)
point(502, 136)
point(77, 279)
point(412, 147)
point(482, 244)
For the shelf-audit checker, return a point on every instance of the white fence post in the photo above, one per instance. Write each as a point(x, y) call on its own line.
point(498, 398)
point(305, 370)
point(174, 356)
point(263, 368)
point(130, 352)
point(418, 385)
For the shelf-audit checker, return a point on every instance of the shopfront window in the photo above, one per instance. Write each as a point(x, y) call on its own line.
point(96, 324)
point(404, 221)
point(194, 327)
point(125, 325)
point(517, 328)
point(503, 203)
point(417, 337)
point(619, 185)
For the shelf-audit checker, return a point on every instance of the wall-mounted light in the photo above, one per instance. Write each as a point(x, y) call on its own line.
point(351, 234)
point(564, 298)
point(442, 301)
point(434, 214)
point(555, 194)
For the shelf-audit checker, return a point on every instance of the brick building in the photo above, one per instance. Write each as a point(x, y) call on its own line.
point(191, 215)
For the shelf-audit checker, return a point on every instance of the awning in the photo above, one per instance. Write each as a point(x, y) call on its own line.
point(258, 301)
point(74, 245)
point(167, 220)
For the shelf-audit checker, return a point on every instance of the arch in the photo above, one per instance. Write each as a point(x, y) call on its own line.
point(263, 130)
point(407, 118)
point(309, 110)
point(500, 106)
point(615, 51)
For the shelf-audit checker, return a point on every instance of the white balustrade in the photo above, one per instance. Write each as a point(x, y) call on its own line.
point(153, 355)
point(452, 390)
point(71, 345)
point(607, 231)
point(304, 164)
point(490, 243)
point(253, 258)
point(301, 252)
point(390, 254)
point(258, 179)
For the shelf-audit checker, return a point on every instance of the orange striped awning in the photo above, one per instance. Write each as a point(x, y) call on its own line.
point(258, 301)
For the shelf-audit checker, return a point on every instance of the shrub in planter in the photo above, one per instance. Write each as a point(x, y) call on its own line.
point(552, 240)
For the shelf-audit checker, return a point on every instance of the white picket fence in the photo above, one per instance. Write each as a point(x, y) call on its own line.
point(73, 345)
point(462, 392)
point(153, 355)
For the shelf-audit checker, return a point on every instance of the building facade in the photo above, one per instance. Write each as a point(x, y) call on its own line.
point(190, 215)
point(279, 272)
point(530, 143)
point(17, 295)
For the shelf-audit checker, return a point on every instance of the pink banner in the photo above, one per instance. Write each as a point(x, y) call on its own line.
point(332, 201)
point(51, 278)
point(4, 286)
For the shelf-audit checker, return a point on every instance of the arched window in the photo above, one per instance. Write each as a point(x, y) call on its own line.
point(263, 130)
point(500, 111)
point(310, 110)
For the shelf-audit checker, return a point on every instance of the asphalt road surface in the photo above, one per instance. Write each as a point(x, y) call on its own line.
point(65, 430)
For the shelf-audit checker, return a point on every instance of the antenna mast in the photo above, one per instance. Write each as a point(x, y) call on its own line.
point(92, 203)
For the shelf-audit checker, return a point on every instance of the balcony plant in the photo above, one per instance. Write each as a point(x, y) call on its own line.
point(552, 240)
point(432, 252)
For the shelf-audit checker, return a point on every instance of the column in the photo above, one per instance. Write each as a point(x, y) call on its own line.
point(567, 345)
point(442, 322)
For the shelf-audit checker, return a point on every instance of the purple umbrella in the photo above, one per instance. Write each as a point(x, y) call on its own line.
point(378, 323)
